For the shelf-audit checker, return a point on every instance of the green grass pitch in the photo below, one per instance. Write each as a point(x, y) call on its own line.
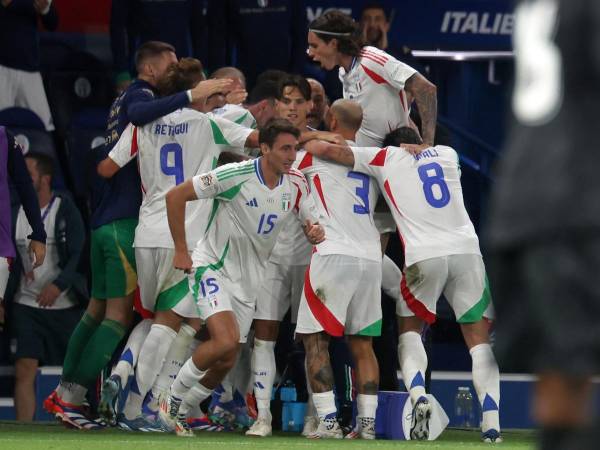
point(55, 437)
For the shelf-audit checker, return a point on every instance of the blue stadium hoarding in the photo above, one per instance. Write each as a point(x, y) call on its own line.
point(484, 25)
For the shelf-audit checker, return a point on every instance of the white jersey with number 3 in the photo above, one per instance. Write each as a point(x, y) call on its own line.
point(170, 150)
point(347, 198)
point(425, 196)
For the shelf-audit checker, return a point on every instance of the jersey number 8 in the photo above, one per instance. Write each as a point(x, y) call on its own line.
point(432, 175)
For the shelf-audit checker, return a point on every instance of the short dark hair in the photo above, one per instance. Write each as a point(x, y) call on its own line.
point(296, 81)
point(181, 76)
point(150, 49)
point(273, 75)
point(265, 90)
point(337, 22)
point(402, 135)
point(374, 5)
point(44, 163)
point(274, 127)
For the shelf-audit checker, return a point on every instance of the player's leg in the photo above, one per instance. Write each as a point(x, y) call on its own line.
point(363, 322)
point(322, 313)
point(421, 286)
point(272, 303)
point(468, 293)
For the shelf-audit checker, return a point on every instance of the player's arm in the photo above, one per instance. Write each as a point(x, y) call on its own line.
point(341, 154)
point(176, 200)
point(334, 138)
point(307, 213)
point(124, 151)
point(425, 95)
point(234, 136)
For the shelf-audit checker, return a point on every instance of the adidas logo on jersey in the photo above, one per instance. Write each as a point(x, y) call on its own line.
point(252, 202)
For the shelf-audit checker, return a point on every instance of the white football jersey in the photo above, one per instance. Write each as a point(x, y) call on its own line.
point(425, 196)
point(376, 81)
point(347, 199)
point(292, 248)
point(170, 150)
point(246, 219)
point(235, 113)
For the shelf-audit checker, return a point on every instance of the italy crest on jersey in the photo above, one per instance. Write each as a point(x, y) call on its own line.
point(286, 202)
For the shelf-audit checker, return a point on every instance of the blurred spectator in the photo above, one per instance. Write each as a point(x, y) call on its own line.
point(47, 304)
point(133, 22)
point(376, 24)
point(256, 36)
point(13, 172)
point(316, 115)
point(20, 79)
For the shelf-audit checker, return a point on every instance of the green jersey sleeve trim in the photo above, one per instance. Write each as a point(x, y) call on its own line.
point(218, 136)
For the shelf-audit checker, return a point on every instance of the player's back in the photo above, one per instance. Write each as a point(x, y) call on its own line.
point(170, 150)
point(347, 199)
point(429, 204)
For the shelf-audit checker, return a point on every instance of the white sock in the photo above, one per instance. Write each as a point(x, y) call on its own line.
point(263, 367)
point(390, 278)
point(73, 393)
point(241, 374)
point(129, 357)
point(187, 378)
point(486, 379)
point(178, 354)
point(151, 359)
point(192, 399)
point(413, 363)
point(366, 405)
point(325, 404)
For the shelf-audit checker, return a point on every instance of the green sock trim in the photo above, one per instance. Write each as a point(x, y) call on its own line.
point(77, 342)
point(99, 351)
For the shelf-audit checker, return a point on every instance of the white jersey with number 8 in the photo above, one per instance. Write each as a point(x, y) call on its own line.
point(425, 196)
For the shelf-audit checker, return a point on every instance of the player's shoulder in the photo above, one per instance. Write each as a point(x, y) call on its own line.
point(446, 151)
point(374, 56)
point(294, 173)
point(241, 169)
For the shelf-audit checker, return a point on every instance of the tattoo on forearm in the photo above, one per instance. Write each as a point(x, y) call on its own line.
point(425, 95)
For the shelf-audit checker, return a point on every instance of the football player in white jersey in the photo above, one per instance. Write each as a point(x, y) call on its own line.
point(442, 255)
point(350, 257)
point(167, 151)
point(284, 275)
point(382, 85)
point(252, 201)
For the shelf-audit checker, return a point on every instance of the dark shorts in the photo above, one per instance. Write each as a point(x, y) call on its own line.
point(43, 334)
point(547, 299)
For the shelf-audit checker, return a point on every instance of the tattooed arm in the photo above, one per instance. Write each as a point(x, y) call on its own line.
point(425, 94)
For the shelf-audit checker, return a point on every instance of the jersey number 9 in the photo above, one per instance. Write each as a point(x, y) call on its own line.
point(172, 166)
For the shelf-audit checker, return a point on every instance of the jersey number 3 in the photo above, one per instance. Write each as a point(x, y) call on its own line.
point(435, 188)
point(362, 192)
point(172, 166)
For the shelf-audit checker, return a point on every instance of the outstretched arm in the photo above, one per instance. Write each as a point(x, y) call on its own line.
point(176, 200)
point(341, 154)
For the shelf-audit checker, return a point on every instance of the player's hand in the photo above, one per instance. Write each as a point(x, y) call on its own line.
point(328, 136)
point(206, 88)
point(414, 149)
point(41, 6)
point(314, 232)
point(236, 96)
point(182, 261)
point(48, 295)
point(37, 252)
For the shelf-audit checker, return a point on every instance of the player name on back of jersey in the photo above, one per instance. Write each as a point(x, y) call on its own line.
point(171, 130)
point(431, 152)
